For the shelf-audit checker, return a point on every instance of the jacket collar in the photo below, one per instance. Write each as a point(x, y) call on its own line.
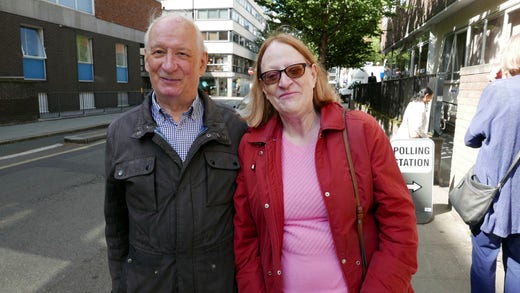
point(332, 118)
point(213, 120)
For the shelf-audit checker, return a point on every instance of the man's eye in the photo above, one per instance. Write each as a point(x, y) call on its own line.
point(158, 52)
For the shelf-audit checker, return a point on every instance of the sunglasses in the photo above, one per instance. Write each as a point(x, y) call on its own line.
point(292, 71)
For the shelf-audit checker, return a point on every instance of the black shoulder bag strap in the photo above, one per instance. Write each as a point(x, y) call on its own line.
point(359, 209)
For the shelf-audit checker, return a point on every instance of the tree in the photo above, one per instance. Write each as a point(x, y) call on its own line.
point(338, 30)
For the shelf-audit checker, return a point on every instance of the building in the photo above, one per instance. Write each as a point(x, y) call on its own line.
point(62, 57)
point(230, 29)
point(458, 44)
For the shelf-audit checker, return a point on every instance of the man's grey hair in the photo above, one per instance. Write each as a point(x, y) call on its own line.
point(182, 18)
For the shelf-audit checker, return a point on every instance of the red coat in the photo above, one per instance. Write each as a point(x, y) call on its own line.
point(389, 225)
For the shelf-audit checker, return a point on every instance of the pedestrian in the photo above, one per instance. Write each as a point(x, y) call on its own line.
point(372, 78)
point(171, 165)
point(295, 221)
point(495, 129)
point(415, 117)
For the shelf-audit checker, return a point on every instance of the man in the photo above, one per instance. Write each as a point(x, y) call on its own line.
point(170, 169)
point(372, 78)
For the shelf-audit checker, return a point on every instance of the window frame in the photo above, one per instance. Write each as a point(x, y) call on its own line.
point(121, 67)
point(85, 65)
point(33, 64)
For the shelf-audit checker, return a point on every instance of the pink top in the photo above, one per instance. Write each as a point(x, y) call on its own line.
point(309, 261)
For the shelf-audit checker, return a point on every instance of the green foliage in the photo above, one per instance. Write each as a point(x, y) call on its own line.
point(339, 31)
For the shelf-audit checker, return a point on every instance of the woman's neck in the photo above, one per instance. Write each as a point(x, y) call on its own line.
point(302, 130)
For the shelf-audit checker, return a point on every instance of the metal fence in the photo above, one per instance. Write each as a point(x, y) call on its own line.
point(69, 104)
point(390, 97)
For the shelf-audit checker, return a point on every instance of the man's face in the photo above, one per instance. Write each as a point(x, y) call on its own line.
point(174, 59)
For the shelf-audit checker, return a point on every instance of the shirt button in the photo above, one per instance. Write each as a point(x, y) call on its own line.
point(261, 153)
point(327, 194)
point(156, 272)
point(343, 261)
point(269, 273)
point(266, 206)
point(358, 263)
point(120, 173)
point(129, 260)
point(279, 272)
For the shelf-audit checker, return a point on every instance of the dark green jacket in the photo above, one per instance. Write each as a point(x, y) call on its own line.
point(169, 223)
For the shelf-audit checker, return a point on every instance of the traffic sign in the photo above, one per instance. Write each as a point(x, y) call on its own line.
point(415, 158)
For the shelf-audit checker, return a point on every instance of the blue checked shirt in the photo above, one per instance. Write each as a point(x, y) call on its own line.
point(179, 135)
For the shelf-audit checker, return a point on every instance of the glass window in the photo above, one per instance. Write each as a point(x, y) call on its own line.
point(85, 61)
point(212, 36)
point(80, 5)
point(223, 35)
point(33, 53)
point(454, 55)
point(202, 14)
point(476, 44)
point(68, 3)
point(213, 14)
point(85, 6)
point(514, 22)
point(493, 35)
point(121, 63)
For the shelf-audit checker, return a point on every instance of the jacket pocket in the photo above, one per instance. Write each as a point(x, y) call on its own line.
point(139, 177)
point(222, 169)
point(146, 272)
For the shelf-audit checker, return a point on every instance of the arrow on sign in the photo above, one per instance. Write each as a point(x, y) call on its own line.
point(414, 186)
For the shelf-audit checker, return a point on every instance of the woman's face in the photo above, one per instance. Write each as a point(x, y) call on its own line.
point(427, 98)
point(289, 96)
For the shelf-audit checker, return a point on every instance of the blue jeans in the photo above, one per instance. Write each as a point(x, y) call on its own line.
point(484, 262)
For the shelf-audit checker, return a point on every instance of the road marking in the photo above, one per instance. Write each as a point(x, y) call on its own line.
point(53, 155)
point(31, 151)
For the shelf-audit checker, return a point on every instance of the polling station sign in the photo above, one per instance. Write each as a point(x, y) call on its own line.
point(415, 158)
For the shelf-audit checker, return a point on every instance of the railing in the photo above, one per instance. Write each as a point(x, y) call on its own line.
point(387, 100)
point(69, 104)
point(390, 97)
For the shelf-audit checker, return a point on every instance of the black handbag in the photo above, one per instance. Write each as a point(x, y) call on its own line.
point(472, 199)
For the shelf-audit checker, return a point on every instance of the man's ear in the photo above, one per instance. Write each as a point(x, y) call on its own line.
point(203, 63)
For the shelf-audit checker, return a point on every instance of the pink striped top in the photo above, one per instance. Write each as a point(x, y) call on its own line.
point(309, 261)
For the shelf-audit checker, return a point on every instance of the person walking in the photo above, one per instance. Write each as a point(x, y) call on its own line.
point(295, 222)
point(415, 118)
point(171, 165)
point(495, 130)
point(372, 78)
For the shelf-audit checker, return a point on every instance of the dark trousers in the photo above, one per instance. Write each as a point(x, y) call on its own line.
point(484, 262)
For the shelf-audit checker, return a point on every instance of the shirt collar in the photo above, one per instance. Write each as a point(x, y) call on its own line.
point(194, 111)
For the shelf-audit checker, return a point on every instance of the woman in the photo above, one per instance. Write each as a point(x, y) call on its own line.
point(495, 129)
point(295, 221)
point(415, 118)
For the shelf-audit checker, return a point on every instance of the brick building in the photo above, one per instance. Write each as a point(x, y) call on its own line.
point(64, 58)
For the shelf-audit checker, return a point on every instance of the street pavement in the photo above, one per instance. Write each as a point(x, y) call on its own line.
point(444, 242)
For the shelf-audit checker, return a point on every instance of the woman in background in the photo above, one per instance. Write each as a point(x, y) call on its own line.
point(415, 119)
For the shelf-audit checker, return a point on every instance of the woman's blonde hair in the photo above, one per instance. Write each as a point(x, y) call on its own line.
point(511, 57)
point(260, 109)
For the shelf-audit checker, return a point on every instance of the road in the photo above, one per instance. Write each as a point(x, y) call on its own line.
point(51, 217)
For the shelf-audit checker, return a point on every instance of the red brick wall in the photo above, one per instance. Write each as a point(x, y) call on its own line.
point(134, 14)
